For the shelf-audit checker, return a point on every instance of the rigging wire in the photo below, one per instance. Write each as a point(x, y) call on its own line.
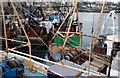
point(92, 32)
point(13, 40)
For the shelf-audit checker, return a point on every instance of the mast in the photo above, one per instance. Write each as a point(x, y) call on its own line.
point(67, 34)
point(75, 9)
point(78, 21)
point(29, 43)
point(3, 18)
point(98, 24)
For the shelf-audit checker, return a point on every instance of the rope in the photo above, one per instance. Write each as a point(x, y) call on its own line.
point(62, 23)
point(63, 39)
point(13, 40)
point(69, 27)
point(19, 46)
point(94, 37)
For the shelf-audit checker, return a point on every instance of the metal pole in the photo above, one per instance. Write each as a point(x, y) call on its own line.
point(111, 58)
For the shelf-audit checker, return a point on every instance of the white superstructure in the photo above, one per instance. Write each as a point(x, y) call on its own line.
point(110, 29)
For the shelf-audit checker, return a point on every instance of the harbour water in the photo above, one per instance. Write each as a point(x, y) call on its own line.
point(90, 20)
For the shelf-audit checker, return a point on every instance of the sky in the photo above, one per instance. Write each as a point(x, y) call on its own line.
point(115, 1)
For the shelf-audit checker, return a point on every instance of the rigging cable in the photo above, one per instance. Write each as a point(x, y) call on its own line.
point(92, 32)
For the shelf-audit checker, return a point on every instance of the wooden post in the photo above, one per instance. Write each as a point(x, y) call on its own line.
point(53, 28)
point(89, 36)
point(98, 24)
point(62, 24)
point(68, 30)
point(16, 13)
point(78, 21)
point(3, 20)
point(66, 37)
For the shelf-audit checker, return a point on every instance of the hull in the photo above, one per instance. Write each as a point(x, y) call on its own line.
point(80, 57)
point(11, 67)
point(72, 41)
point(15, 62)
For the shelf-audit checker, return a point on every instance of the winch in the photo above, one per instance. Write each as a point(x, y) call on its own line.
point(11, 67)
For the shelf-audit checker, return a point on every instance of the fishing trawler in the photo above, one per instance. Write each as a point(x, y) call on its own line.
point(14, 63)
point(92, 59)
point(113, 45)
point(35, 25)
point(111, 32)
